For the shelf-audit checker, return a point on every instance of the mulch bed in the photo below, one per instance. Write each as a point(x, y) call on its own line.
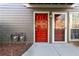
point(13, 49)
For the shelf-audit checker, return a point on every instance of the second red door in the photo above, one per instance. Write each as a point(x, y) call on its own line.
point(41, 27)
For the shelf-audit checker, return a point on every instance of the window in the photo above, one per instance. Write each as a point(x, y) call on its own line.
point(74, 26)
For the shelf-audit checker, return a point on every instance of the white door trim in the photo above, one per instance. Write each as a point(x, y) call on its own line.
point(34, 23)
point(53, 31)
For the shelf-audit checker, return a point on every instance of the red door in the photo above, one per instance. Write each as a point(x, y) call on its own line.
point(41, 27)
point(59, 27)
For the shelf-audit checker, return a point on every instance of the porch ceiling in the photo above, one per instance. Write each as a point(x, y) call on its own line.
point(50, 5)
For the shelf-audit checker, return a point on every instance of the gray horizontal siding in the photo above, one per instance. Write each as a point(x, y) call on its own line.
point(15, 18)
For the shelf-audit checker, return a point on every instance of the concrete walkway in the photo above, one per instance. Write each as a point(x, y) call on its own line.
point(45, 49)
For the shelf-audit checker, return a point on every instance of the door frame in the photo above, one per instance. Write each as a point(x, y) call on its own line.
point(53, 31)
point(34, 24)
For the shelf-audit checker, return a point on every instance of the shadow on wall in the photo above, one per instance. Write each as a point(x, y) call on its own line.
point(5, 33)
